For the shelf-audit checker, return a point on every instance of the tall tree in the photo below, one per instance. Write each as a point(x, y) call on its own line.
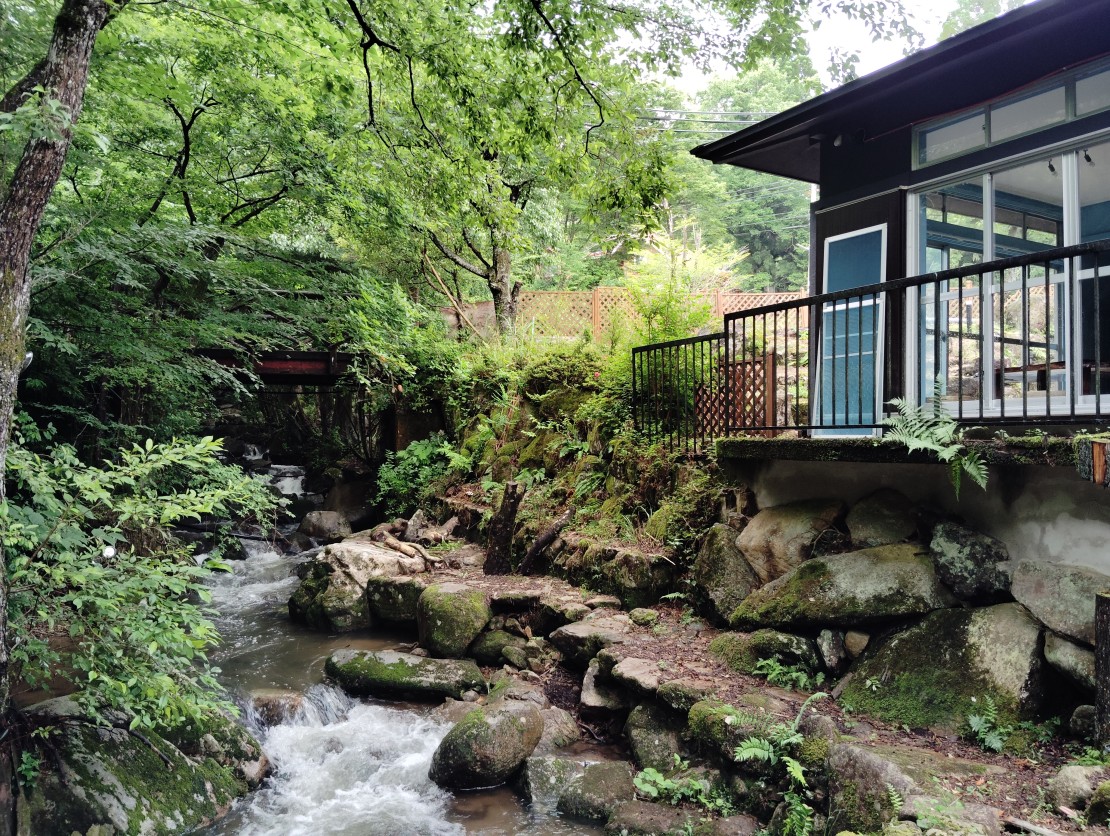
point(56, 84)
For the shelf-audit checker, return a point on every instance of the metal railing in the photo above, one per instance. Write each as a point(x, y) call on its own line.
point(1014, 341)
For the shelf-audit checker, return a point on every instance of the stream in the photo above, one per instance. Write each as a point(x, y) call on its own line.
point(341, 765)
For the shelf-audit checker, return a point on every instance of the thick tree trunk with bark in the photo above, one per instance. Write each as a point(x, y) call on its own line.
point(505, 292)
point(501, 528)
point(63, 75)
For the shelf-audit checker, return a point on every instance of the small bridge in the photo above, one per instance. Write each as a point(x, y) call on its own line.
point(295, 368)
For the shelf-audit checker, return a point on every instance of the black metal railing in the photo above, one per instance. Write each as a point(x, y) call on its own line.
point(1013, 341)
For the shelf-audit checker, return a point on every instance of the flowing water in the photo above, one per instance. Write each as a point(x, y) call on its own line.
point(341, 766)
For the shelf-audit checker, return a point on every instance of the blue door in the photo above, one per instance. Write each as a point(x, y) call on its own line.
point(851, 335)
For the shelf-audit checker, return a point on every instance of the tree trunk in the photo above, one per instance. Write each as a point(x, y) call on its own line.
point(505, 292)
point(1102, 669)
point(63, 74)
point(501, 528)
point(546, 538)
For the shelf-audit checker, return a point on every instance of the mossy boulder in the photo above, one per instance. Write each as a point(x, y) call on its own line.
point(778, 539)
point(861, 780)
point(939, 671)
point(488, 647)
point(1061, 597)
point(1073, 660)
point(648, 818)
point(116, 783)
point(544, 778)
point(332, 593)
point(488, 746)
point(389, 674)
point(597, 792)
point(882, 517)
point(721, 574)
point(393, 599)
point(652, 736)
point(974, 566)
point(743, 651)
point(582, 640)
point(449, 616)
point(863, 587)
point(1098, 808)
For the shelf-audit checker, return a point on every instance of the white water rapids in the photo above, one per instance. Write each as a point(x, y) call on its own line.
point(341, 766)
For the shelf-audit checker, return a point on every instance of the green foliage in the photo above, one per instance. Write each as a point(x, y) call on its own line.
point(788, 676)
point(678, 789)
point(409, 478)
point(984, 727)
point(100, 592)
point(933, 430)
point(778, 748)
point(28, 769)
point(1090, 756)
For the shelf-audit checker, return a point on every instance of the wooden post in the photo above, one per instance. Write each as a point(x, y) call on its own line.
point(1102, 669)
point(596, 319)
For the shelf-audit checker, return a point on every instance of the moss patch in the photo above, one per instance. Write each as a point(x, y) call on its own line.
point(449, 617)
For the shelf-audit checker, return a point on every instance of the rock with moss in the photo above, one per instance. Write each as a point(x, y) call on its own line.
point(649, 818)
point(939, 671)
point(639, 677)
point(743, 651)
point(392, 675)
point(778, 539)
point(488, 647)
point(1073, 785)
point(864, 587)
point(637, 579)
point(722, 576)
point(1073, 660)
point(325, 526)
point(597, 792)
point(599, 701)
point(544, 778)
point(559, 730)
point(1061, 597)
point(115, 782)
point(643, 617)
point(332, 592)
point(1098, 808)
point(882, 517)
point(652, 736)
point(393, 599)
point(715, 728)
point(582, 640)
point(865, 782)
point(488, 746)
point(974, 566)
point(681, 694)
point(449, 616)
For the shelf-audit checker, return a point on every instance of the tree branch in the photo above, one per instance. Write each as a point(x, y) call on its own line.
point(451, 255)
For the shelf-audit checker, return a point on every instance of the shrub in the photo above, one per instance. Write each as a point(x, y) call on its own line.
point(90, 558)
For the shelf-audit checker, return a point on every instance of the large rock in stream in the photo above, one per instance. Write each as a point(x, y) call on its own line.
point(488, 746)
point(116, 783)
point(449, 616)
point(863, 587)
point(390, 674)
point(332, 594)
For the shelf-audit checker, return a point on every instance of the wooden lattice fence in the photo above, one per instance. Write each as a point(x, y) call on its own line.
point(554, 313)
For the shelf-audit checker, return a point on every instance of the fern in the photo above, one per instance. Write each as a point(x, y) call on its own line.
point(757, 749)
point(985, 729)
point(934, 431)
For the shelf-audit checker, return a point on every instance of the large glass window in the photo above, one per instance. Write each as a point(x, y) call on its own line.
point(1068, 96)
point(1024, 340)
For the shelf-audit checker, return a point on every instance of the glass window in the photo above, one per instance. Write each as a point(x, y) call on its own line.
point(1027, 114)
point(952, 138)
point(1094, 277)
point(1092, 92)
